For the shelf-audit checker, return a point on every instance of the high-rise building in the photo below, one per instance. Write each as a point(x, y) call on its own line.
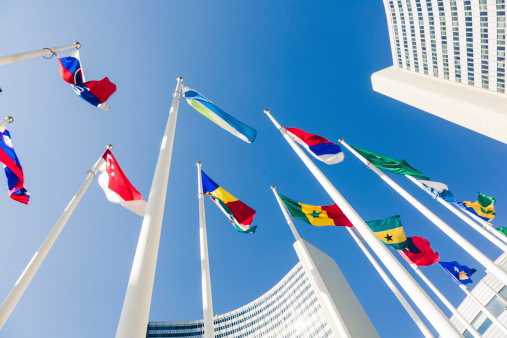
point(307, 302)
point(449, 60)
point(492, 293)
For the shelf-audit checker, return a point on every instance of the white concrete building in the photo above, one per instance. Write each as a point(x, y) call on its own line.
point(449, 60)
point(307, 302)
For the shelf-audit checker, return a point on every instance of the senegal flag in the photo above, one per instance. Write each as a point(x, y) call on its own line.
point(390, 231)
point(240, 214)
point(383, 162)
point(316, 215)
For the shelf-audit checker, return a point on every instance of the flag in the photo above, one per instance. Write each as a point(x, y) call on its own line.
point(218, 116)
point(383, 162)
point(117, 187)
point(459, 273)
point(484, 207)
point(502, 230)
point(438, 189)
point(13, 169)
point(316, 215)
point(419, 252)
point(240, 214)
point(390, 231)
point(321, 148)
point(93, 92)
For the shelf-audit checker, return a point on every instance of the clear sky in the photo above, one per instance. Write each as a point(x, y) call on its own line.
point(308, 62)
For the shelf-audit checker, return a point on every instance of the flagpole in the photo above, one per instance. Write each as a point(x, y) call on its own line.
point(7, 59)
point(136, 306)
point(453, 234)
point(337, 323)
point(444, 300)
point(406, 305)
point(24, 280)
point(431, 311)
point(455, 211)
point(207, 304)
point(485, 224)
point(8, 119)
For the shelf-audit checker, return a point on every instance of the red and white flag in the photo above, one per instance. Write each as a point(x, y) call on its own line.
point(118, 188)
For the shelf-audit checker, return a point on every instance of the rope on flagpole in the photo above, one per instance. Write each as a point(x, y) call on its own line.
point(52, 54)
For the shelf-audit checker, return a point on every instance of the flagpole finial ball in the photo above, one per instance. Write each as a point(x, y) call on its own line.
point(266, 111)
point(340, 140)
point(198, 164)
point(180, 79)
point(109, 146)
point(11, 119)
point(78, 45)
point(272, 187)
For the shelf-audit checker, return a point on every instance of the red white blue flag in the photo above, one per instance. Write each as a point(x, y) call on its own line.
point(321, 148)
point(94, 92)
point(13, 169)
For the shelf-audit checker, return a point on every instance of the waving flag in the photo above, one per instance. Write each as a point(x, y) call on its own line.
point(93, 92)
point(117, 187)
point(321, 148)
point(218, 116)
point(316, 215)
point(390, 231)
point(419, 251)
point(438, 189)
point(459, 273)
point(484, 207)
point(13, 170)
point(240, 214)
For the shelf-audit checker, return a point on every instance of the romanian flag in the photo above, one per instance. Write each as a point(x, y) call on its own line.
point(484, 207)
point(240, 214)
point(390, 231)
point(316, 215)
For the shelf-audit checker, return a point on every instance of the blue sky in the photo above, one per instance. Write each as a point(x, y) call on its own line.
point(309, 63)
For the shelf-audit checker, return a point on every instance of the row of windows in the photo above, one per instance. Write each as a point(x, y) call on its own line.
point(496, 306)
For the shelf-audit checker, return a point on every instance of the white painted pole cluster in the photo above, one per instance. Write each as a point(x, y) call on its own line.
point(8, 119)
point(501, 245)
point(431, 311)
point(5, 60)
point(24, 280)
point(453, 234)
point(207, 304)
point(136, 306)
point(439, 294)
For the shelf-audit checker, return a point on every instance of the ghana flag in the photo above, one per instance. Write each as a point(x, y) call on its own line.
point(390, 231)
point(316, 215)
point(240, 214)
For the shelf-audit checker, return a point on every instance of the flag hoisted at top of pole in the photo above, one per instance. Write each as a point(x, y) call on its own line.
point(436, 317)
point(320, 148)
point(7, 59)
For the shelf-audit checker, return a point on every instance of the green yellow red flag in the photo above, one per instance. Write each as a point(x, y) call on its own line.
point(390, 231)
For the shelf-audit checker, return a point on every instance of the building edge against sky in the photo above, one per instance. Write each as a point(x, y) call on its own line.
point(449, 61)
point(303, 302)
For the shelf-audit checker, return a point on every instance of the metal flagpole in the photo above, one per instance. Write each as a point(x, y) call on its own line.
point(485, 225)
point(24, 280)
point(8, 119)
point(453, 234)
point(337, 323)
point(431, 311)
point(444, 300)
point(136, 306)
point(455, 211)
point(207, 304)
point(5, 60)
point(420, 324)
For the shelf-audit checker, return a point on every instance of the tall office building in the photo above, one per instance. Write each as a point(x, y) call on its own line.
point(492, 293)
point(449, 60)
point(307, 302)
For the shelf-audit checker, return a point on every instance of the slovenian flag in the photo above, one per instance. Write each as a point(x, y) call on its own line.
point(117, 187)
point(321, 148)
point(13, 169)
point(93, 92)
point(240, 214)
point(218, 116)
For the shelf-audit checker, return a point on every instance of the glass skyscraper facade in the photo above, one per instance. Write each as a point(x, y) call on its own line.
point(289, 309)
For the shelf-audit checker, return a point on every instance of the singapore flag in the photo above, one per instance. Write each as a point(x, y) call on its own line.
point(117, 187)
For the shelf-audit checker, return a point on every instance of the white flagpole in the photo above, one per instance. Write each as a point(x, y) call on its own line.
point(207, 304)
point(485, 225)
point(337, 323)
point(453, 234)
point(431, 311)
point(444, 300)
point(136, 306)
point(8, 119)
point(24, 280)
point(455, 211)
point(5, 60)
